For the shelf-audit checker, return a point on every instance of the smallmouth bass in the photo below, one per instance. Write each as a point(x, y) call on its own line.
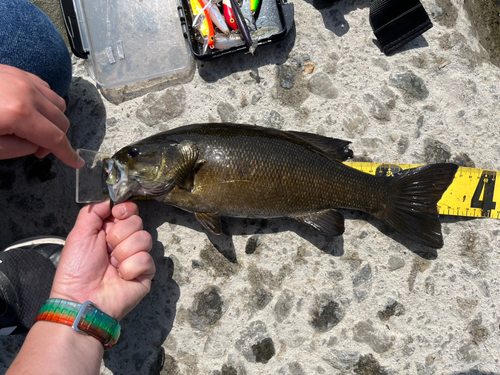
point(246, 171)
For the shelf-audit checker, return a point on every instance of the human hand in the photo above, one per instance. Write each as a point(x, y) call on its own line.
point(106, 259)
point(32, 120)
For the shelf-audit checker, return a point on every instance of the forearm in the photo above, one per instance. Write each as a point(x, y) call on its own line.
point(43, 352)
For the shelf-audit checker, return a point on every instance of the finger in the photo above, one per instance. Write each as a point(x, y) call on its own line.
point(55, 99)
point(139, 266)
point(13, 147)
point(124, 210)
point(137, 242)
point(45, 134)
point(36, 79)
point(49, 105)
point(42, 152)
point(123, 229)
point(91, 216)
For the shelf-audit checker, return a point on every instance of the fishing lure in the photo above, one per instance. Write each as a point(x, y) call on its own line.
point(229, 14)
point(211, 34)
point(242, 25)
point(224, 42)
point(216, 16)
point(203, 25)
point(254, 4)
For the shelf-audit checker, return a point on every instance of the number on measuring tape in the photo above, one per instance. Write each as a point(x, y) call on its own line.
point(486, 183)
point(387, 170)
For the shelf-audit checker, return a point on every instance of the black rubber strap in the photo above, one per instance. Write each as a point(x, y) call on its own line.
point(396, 22)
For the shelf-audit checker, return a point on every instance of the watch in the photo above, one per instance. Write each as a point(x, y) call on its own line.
point(84, 318)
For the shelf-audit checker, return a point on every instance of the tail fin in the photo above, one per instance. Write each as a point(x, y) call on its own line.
point(413, 211)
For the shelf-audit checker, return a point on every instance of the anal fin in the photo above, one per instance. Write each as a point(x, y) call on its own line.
point(209, 221)
point(328, 222)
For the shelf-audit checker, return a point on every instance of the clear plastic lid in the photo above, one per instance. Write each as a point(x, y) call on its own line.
point(132, 40)
point(91, 178)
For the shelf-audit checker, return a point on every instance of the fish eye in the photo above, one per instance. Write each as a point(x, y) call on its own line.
point(133, 152)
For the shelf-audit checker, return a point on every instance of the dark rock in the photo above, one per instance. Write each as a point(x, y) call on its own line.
point(206, 309)
point(252, 244)
point(425, 369)
point(227, 112)
point(377, 108)
point(463, 160)
point(477, 331)
point(214, 259)
point(298, 59)
point(436, 152)
point(228, 370)
point(290, 87)
point(197, 264)
point(326, 316)
point(466, 306)
point(260, 298)
point(256, 97)
point(378, 341)
point(392, 308)
point(274, 120)
point(468, 352)
point(382, 63)
point(263, 350)
point(396, 263)
point(7, 179)
point(473, 251)
point(363, 276)
point(231, 93)
point(320, 84)
point(362, 283)
point(357, 124)
point(411, 84)
point(286, 76)
point(368, 365)
point(403, 144)
point(162, 108)
point(256, 332)
point(296, 369)
point(341, 360)
point(39, 168)
point(429, 285)
point(447, 14)
point(284, 305)
point(419, 265)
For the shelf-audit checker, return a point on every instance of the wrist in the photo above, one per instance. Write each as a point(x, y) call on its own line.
point(84, 319)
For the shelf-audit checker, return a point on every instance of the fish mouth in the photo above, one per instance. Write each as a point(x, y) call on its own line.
point(120, 186)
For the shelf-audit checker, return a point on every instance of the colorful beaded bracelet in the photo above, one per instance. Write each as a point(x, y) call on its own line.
point(84, 318)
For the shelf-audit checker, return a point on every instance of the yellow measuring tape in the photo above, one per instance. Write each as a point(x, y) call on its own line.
point(473, 192)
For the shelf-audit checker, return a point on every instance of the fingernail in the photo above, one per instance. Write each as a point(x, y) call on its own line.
point(121, 210)
point(119, 274)
point(80, 162)
point(114, 262)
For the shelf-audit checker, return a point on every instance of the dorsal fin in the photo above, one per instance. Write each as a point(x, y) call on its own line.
point(336, 149)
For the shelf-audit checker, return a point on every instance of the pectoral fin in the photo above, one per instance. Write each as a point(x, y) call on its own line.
point(209, 221)
point(329, 222)
point(186, 165)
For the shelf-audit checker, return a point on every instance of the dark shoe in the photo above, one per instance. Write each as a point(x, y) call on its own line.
point(27, 269)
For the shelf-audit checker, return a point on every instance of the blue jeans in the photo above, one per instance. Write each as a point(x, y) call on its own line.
point(30, 41)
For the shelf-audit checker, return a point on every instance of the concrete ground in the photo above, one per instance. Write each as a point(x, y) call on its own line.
point(272, 297)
